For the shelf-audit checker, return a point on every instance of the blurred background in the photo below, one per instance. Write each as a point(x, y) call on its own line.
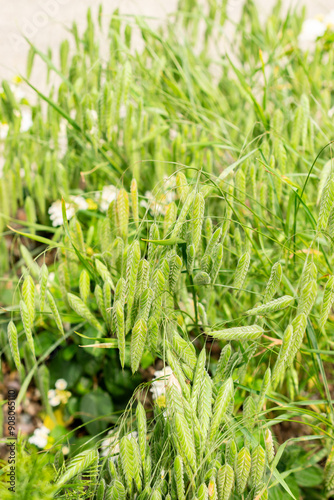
point(45, 22)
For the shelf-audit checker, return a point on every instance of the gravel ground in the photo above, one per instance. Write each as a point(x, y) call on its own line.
point(44, 22)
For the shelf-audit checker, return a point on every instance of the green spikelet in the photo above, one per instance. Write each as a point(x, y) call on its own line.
point(206, 263)
point(178, 470)
point(101, 489)
point(239, 333)
point(28, 293)
point(145, 303)
point(30, 263)
point(202, 492)
point(309, 272)
point(213, 242)
point(176, 368)
point(307, 298)
point(327, 301)
point(241, 271)
point(197, 219)
point(142, 278)
point(120, 329)
point(299, 326)
point(30, 210)
point(26, 320)
point(330, 229)
point(225, 482)
point(326, 202)
point(104, 273)
point(170, 218)
point(184, 349)
point(30, 61)
point(43, 281)
point(138, 339)
point(282, 356)
point(329, 471)
point(14, 344)
point(207, 228)
point(242, 469)
point(134, 201)
point(142, 430)
point(325, 173)
point(264, 389)
point(100, 302)
point(240, 185)
point(185, 441)
point(122, 212)
point(175, 267)
point(272, 306)
point(269, 444)
point(182, 186)
point(131, 277)
point(183, 214)
point(107, 302)
point(156, 495)
point(128, 459)
point(224, 396)
point(152, 334)
point(127, 75)
point(191, 253)
point(204, 407)
point(297, 128)
point(198, 377)
point(258, 465)
point(55, 312)
point(217, 262)
point(84, 285)
point(39, 192)
point(273, 283)
point(82, 310)
point(119, 290)
point(158, 289)
point(305, 105)
point(202, 279)
point(249, 412)
point(212, 489)
point(231, 453)
point(222, 363)
point(152, 248)
point(261, 492)
point(78, 464)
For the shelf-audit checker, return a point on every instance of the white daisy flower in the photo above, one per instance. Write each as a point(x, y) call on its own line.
point(40, 437)
point(61, 384)
point(56, 214)
point(108, 194)
point(312, 29)
point(26, 119)
point(55, 401)
point(155, 207)
point(65, 450)
point(80, 202)
point(51, 393)
point(164, 379)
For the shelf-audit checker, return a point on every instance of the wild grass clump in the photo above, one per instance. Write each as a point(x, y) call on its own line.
point(190, 238)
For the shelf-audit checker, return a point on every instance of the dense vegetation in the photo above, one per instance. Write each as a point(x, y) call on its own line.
point(167, 260)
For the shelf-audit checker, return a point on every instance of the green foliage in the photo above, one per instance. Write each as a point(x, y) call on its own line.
point(197, 196)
